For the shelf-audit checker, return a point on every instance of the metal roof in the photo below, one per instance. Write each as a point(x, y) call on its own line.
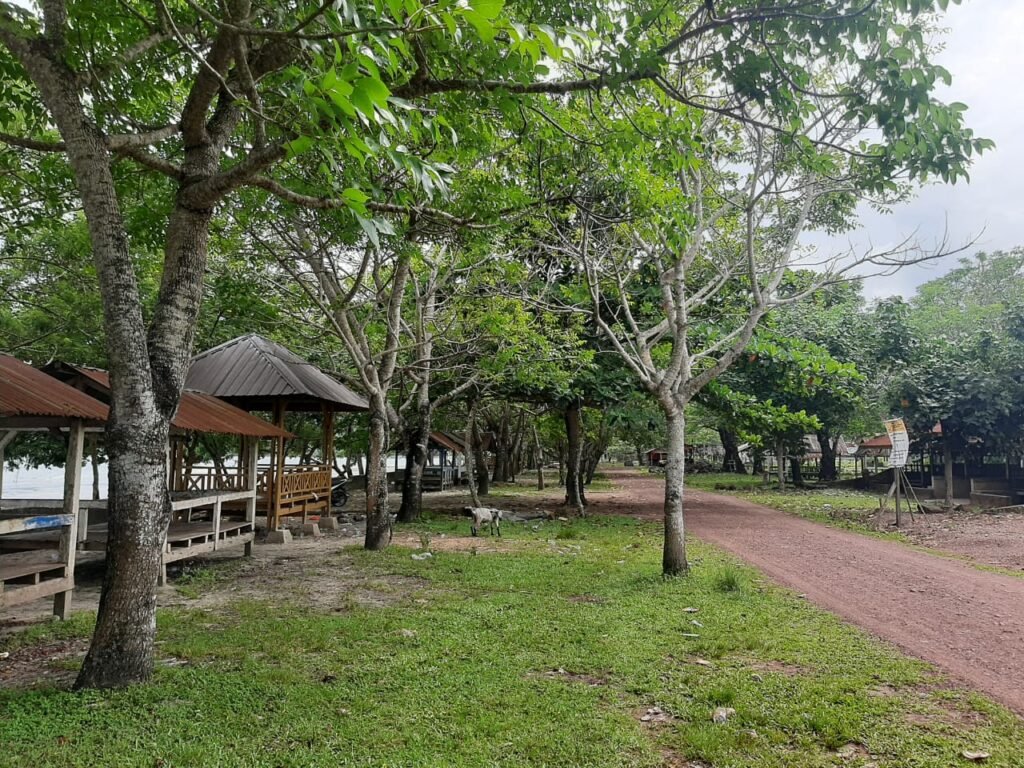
point(255, 372)
point(197, 411)
point(447, 441)
point(26, 391)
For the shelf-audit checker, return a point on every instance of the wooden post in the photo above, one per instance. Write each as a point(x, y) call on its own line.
point(216, 524)
point(327, 447)
point(72, 495)
point(273, 516)
point(252, 452)
point(5, 440)
point(327, 453)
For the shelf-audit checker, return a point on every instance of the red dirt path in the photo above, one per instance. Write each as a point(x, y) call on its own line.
point(967, 622)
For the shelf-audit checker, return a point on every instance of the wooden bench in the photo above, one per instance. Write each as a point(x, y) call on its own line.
point(31, 574)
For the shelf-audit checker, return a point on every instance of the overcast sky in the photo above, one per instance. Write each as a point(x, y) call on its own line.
point(985, 54)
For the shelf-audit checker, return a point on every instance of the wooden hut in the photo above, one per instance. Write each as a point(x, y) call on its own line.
point(257, 374)
point(43, 561)
point(441, 472)
point(212, 507)
point(656, 457)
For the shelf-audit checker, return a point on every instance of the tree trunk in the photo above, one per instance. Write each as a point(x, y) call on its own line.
point(731, 461)
point(780, 461)
point(573, 474)
point(828, 457)
point(483, 478)
point(121, 652)
point(947, 464)
point(796, 467)
point(416, 459)
point(470, 451)
point(378, 517)
point(94, 462)
point(673, 561)
point(539, 458)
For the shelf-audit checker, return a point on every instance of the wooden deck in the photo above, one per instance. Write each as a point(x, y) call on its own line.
point(200, 525)
point(39, 571)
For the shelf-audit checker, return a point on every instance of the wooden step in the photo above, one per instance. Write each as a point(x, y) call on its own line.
point(31, 567)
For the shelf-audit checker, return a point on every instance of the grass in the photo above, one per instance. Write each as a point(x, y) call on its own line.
point(526, 485)
point(853, 510)
point(543, 655)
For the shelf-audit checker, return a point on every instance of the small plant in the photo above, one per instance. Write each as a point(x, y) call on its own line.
point(425, 539)
point(567, 533)
point(722, 695)
point(727, 579)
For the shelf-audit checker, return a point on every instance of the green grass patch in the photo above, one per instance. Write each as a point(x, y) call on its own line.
point(843, 508)
point(546, 654)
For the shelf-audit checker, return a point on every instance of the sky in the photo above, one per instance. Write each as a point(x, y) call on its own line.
point(985, 54)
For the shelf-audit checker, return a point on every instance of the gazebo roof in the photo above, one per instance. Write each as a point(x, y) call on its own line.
point(27, 393)
point(447, 441)
point(255, 373)
point(197, 411)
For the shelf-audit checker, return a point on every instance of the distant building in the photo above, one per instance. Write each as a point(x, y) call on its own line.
point(656, 457)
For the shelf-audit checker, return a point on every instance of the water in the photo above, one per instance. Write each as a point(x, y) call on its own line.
point(48, 482)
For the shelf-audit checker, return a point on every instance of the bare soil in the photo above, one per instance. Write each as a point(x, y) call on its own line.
point(968, 622)
point(995, 538)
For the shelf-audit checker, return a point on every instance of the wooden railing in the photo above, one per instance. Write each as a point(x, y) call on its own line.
point(206, 478)
point(305, 490)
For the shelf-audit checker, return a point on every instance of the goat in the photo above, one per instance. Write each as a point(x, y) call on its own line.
point(482, 515)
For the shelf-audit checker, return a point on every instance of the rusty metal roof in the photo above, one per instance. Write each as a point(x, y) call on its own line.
point(445, 440)
point(197, 411)
point(256, 372)
point(26, 391)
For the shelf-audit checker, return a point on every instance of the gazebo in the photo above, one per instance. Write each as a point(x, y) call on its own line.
point(41, 565)
point(442, 473)
point(212, 507)
point(257, 374)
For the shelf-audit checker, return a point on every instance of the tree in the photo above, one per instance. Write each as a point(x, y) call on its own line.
point(959, 343)
point(801, 378)
point(313, 104)
point(681, 267)
point(210, 101)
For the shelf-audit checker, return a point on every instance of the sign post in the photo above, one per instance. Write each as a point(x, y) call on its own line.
point(898, 455)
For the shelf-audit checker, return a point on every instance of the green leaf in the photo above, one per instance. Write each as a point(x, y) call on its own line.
point(299, 145)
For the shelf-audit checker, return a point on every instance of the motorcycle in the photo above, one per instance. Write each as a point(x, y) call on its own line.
point(339, 493)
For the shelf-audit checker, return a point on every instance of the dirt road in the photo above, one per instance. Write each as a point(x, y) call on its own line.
point(967, 622)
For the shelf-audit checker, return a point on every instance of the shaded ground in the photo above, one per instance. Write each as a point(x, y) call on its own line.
point(968, 622)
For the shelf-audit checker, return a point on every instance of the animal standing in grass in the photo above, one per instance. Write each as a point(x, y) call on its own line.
point(483, 515)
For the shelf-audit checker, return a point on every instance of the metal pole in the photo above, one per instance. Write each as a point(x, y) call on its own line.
point(898, 473)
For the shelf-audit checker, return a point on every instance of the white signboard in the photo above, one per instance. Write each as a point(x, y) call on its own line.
point(900, 442)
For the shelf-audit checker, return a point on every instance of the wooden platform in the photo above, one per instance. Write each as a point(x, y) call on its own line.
point(38, 572)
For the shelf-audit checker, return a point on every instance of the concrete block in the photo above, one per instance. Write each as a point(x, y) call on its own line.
point(329, 524)
point(283, 536)
point(310, 529)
